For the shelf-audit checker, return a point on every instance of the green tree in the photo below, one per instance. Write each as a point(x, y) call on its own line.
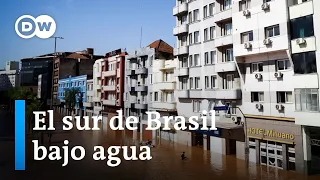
point(70, 98)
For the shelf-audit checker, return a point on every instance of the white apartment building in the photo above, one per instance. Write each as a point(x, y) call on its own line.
point(89, 104)
point(9, 77)
point(142, 91)
point(97, 85)
point(275, 49)
point(207, 73)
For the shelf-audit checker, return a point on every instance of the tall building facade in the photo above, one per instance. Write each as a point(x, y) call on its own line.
point(97, 100)
point(88, 104)
point(10, 77)
point(31, 68)
point(140, 95)
point(72, 64)
point(254, 62)
point(208, 77)
point(112, 82)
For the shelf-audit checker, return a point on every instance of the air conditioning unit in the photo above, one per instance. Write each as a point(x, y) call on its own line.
point(247, 45)
point(279, 107)
point(246, 12)
point(234, 119)
point(300, 41)
point(278, 75)
point(259, 106)
point(265, 6)
point(118, 88)
point(139, 83)
point(267, 41)
point(258, 76)
point(117, 102)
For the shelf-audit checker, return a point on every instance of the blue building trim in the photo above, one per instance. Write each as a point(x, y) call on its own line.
point(73, 82)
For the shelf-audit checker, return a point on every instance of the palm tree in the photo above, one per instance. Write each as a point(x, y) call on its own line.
point(70, 98)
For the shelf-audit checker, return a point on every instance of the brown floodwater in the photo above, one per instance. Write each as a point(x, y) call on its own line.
point(165, 163)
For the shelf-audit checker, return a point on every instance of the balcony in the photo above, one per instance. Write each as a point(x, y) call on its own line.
point(164, 105)
point(300, 10)
point(223, 40)
point(96, 99)
point(223, 15)
point(183, 72)
point(228, 93)
point(183, 28)
point(142, 70)
point(141, 105)
point(109, 88)
point(131, 56)
point(225, 67)
point(109, 102)
point(167, 85)
point(109, 73)
point(118, 73)
point(98, 74)
point(307, 118)
point(181, 8)
point(181, 50)
point(130, 72)
point(128, 104)
point(88, 104)
point(183, 93)
point(141, 88)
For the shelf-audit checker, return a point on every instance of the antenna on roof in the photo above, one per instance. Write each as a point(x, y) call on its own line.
point(140, 37)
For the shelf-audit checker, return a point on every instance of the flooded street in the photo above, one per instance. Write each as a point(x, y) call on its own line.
point(165, 163)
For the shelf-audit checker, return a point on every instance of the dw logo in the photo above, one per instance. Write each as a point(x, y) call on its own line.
point(43, 26)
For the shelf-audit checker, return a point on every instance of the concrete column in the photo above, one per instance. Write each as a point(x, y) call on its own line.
point(285, 156)
point(258, 160)
point(141, 131)
point(306, 143)
point(205, 142)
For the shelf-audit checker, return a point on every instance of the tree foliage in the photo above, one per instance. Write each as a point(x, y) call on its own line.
point(70, 97)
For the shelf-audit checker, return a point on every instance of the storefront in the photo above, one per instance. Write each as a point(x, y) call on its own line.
point(275, 143)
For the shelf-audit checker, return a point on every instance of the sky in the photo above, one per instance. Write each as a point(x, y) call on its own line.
point(104, 25)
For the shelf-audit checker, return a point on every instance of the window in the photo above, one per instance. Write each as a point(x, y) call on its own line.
point(306, 99)
point(257, 67)
point(226, 29)
point(211, 9)
point(228, 55)
point(272, 31)
point(155, 96)
point(283, 65)
point(191, 83)
point(230, 81)
point(205, 11)
point(190, 38)
point(196, 60)
point(212, 32)
point(244, 4)
point(246, 37)
point(205, 34)
point(184, 19)
point(197, 82)
point(196, 36)
point(226, 5)
point(304, 63)
point(213, 82)
point(184, 62)
point(184, 84)
point(302, 27)
point(212, 57)
point(183, 41)
point(196, 106)
point(190, 17)
point(150, 78)
point(196, 15)
point(190, 61)
point(284, 97)
point(206, 58)
point(257, 96)
point(206, 82)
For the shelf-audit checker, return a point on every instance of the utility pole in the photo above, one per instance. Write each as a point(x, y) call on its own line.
point(55, 55)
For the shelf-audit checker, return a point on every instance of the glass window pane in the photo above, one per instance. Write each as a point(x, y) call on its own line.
point(276, 31)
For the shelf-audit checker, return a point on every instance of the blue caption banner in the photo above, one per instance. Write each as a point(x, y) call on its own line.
point(20, 135)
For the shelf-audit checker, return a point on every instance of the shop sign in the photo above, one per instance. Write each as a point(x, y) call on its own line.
point(216, 133)
point(271, 133)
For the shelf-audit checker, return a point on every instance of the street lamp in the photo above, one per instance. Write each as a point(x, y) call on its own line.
point(55, 55)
